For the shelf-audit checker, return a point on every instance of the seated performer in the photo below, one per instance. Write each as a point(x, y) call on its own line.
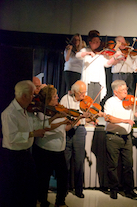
point(93, 73)
point(119, 141)
point(75, 144)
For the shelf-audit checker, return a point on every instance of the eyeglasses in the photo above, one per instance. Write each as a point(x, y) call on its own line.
point(124, 89)
point(82, 93)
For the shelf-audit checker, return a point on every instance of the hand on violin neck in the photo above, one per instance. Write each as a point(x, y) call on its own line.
point(100, 114)
point(86, 115)
point(119, 56)
point(69, 47)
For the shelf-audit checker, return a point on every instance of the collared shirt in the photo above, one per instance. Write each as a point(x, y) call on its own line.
point(71, 103)
point(16, 126)
point(93, 69)
point(113, 106)
point(124, 66)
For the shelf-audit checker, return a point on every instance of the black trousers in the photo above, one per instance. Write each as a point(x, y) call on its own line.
point(75, 148)
point(17, 179)
point(46, 162)
point(70, 78)
point(116, 146)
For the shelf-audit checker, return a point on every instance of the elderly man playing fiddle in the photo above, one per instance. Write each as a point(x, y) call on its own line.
point(75, 143)
point(124, 70)
point(19, 129)
point(118, 141)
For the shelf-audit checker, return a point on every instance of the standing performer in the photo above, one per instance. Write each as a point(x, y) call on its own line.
point(93, 73)
point(124, 70)
point(73, 66)
point(119, 141)
point(18, 183)
point(49, 153)
point(75, 145)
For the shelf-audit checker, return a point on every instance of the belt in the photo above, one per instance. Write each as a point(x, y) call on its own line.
point(81, 125)
point(119, 135)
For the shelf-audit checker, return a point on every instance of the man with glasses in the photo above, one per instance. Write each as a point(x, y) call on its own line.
point(75, 141)
point(118, 141)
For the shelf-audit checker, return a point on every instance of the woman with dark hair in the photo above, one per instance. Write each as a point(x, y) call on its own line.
point(73, 66)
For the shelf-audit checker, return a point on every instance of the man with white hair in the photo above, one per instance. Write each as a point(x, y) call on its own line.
point(118, 141)
point(123, 70)
point(75, 140)
point(19, 129)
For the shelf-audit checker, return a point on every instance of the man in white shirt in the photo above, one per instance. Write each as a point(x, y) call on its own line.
point(93, 73)
point(75, 143)
point(18, 187)
point(118, 141)
point(123, 70)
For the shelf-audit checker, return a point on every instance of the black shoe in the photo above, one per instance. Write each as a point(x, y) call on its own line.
point(80, 195)
point(56, 205)
point(113, 194)
point(131, 194)
point(45, 204)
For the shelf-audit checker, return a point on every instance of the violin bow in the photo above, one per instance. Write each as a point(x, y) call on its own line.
point(45, 109)
point(95, 99)
point(88, 108)
point(134, 106)
point(95, 57)
point(134, 40)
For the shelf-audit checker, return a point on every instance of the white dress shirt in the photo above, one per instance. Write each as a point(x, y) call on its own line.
point(113, 106)
point(93, 69)
point(71, 103)
point(16, 126)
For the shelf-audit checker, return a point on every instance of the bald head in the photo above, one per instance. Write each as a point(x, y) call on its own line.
point(122, 40)
point(37, 83)
point(79, 89)
point(81, 86)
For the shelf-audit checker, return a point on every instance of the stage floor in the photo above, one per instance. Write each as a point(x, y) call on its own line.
point(93, 198)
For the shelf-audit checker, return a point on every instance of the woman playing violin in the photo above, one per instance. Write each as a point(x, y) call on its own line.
point(73, 66)
point(123, 70)
point(93, 73)
point(49, 152)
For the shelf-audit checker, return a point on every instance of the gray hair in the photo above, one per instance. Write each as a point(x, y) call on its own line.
point(24, 87)
point(118, 38)
point(75, 88)
point(115, 84)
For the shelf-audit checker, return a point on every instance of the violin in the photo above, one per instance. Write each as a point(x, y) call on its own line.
point(87, 104)
point(69, 42)
point(38, 106)
point(128, 101)
point(131, 53)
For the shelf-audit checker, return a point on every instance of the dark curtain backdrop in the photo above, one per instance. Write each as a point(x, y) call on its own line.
point(48, 55)
point(51, 63)
point(16, 64)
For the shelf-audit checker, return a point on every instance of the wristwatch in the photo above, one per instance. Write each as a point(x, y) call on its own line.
point(31, 134)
